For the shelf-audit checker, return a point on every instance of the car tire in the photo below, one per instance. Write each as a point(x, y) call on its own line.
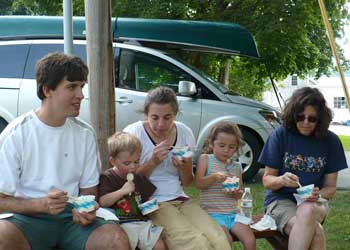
point(249, 155)
point(3, 124)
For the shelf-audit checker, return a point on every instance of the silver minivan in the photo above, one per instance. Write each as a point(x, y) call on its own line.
point(138, 68)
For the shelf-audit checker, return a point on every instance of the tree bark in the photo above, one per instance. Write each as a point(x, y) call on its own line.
point(225, 73)
point(101, 68)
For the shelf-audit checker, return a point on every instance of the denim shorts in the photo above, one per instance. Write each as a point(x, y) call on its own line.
point(226, 220)
point(44, 231)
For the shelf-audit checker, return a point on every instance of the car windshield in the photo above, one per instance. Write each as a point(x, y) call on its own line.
point(215, 83)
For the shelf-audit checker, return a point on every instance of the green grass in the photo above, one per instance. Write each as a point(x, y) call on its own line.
point(337, 225)
point(345, 140)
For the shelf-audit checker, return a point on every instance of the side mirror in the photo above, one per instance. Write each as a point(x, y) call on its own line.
point(187, 88)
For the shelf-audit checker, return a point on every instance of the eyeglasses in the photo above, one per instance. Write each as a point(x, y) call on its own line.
point(310, 119)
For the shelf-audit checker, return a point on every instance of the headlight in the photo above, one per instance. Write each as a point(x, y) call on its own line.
point(272, 117)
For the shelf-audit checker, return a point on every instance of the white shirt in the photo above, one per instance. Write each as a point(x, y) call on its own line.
point(165, 176)
point(36, 158)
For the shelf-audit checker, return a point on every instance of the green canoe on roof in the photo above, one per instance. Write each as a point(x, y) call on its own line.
point(211, 36)
point(216, 37)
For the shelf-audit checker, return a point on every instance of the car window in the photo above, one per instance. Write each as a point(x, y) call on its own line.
point(13, 60)
point(37, 51)
point(142, 72)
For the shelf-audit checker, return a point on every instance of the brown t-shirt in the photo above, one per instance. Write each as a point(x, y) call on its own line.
point(126, 209)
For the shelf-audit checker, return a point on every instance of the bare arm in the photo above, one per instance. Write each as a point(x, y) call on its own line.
point(184, 167)
point(159, 154)
point(109, 199)
point(88, 191)
point(202, 180)
point(147, 168)
point(53, 203)
point(329, 185)
point(272, 181)
point(20, 205)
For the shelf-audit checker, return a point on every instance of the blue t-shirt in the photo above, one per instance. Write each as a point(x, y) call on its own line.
point(308, 157)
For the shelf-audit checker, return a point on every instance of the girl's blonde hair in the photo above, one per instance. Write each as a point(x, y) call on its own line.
point(123, 142)
point(227, 127)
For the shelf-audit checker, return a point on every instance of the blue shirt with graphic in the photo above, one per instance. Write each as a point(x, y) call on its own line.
point(308, 157)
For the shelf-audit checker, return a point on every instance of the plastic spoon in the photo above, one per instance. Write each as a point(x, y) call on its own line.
point(130, 178)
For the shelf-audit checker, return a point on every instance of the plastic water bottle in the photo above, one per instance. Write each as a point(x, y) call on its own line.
point(247, 203)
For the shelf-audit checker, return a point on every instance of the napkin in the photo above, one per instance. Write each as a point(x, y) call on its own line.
point(106, 214)
point(266, 222)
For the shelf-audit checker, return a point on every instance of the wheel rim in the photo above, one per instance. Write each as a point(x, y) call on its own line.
point(246, 157)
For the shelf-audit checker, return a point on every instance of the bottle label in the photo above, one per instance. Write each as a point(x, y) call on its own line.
point(247, 204)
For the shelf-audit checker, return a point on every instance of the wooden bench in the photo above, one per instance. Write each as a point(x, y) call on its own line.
point(274, 237)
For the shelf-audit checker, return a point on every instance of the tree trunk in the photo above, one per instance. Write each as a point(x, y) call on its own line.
point(100, 79)
point(225, 73)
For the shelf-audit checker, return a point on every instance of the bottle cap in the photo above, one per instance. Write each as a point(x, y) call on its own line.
point(247, 189)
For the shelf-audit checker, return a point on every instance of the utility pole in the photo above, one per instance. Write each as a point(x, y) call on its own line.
point(334, 50)
point(68, 26)
point(100, 79)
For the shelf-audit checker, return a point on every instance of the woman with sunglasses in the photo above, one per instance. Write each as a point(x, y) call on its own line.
point(301, 152)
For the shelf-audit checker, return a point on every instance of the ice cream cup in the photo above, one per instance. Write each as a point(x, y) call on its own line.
point(180, 152)
point(84, 203)
point(149, 206)
point(306, 191)
point(230, 184)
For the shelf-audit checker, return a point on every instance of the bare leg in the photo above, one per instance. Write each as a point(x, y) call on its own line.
point(304, 227)
point(228, 235)
point(319, 240)
point(245, 235)
point(160, 245)
point(108, 237)
point(11, 237)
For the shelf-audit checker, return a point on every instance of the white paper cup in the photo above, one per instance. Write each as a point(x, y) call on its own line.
point(180, 152)
point(230, 184)
point(305, 191)
point(149, 206)
point(84, 203)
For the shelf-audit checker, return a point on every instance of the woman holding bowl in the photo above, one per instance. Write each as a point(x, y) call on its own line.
point(302, 152)
point(186, 225)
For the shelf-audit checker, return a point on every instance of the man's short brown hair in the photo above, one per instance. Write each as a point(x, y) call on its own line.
point(53, 68)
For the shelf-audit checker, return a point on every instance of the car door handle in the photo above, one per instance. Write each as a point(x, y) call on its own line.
point(123, 100)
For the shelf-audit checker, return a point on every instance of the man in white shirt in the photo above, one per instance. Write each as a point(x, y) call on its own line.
point(47, 155)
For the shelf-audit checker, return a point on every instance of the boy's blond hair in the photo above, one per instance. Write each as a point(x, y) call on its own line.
point(123, 142)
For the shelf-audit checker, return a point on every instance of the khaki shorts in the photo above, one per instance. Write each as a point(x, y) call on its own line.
point(187, 226)
point(142, 234)
point(282, 211)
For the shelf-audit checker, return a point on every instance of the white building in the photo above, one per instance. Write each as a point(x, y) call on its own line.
point(331, 88)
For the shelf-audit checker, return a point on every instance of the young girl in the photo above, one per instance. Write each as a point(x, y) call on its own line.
point(223, 144)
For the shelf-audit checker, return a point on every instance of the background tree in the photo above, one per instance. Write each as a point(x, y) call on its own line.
point(290, 34)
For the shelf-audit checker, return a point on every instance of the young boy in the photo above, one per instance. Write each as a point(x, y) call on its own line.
point(123, 196)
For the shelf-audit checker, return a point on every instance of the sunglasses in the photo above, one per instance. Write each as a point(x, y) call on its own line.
point(310, 119)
